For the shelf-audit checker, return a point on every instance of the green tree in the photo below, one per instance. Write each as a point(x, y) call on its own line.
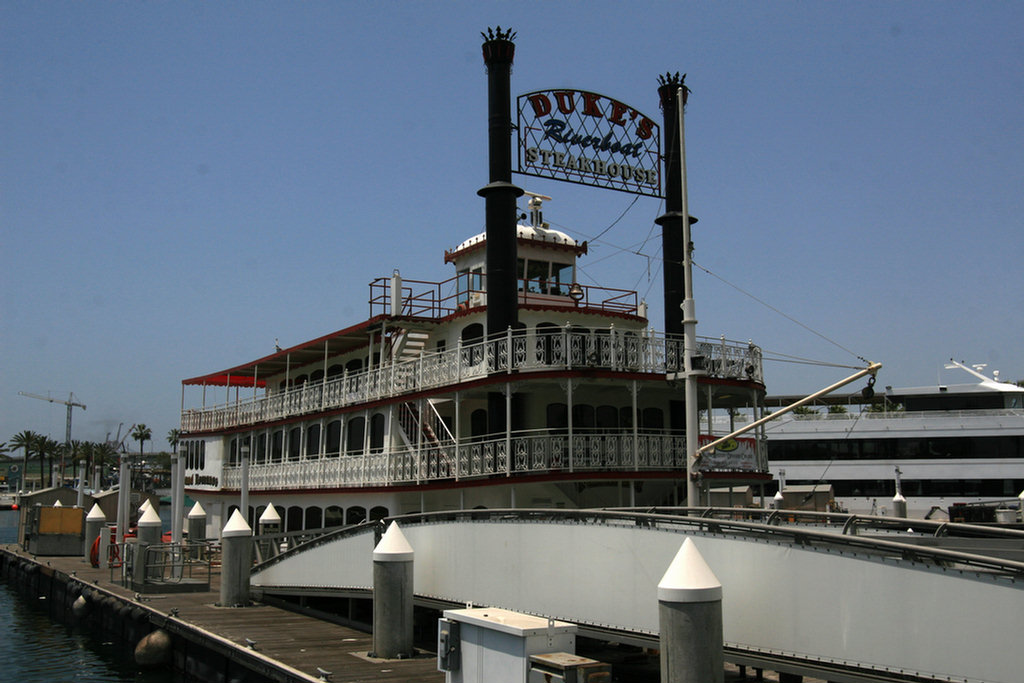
point(173, 436)
point(103, 455)
point(25, 440)
point(837, 410)
point(142, 433)
point(4, 451)
point(47, 449)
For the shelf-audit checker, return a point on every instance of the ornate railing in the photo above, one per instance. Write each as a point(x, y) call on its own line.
point(533, 453)
point(565, 348)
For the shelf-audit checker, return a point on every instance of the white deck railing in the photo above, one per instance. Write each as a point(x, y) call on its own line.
point(531, 454)
point(565, 348)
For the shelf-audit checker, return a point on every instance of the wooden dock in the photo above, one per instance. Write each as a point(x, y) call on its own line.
point(277, 644)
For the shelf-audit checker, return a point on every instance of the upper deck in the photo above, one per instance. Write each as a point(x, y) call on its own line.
point(566, 349)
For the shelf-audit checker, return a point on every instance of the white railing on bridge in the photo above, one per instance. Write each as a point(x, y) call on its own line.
point(564, 348)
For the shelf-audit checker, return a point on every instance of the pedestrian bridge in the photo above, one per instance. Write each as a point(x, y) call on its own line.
point(834, 596)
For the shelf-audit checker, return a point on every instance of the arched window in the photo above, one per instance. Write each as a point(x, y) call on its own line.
point(333, 438)
point(334, 516)
point(478, 422)
point(471, 335)
point(377, 433)
point(583, 418)
point(316, 376)
point(355, 515)
point(233, 458)
point(356, 430)
point(557, 418)
point(294, 519)
point(336, 370)
point(312, 440)
point(277, 446)
point(260, 456)
point(294, 443)
point(378, 512)
point(607, 418)
point(314, 518)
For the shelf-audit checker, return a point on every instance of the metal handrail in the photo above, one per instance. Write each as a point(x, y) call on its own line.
point(692, 519)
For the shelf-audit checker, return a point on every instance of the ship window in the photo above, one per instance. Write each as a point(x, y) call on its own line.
point(301, 379)
point(261, 448)
point(333, 438)
point(313, 440)
point(470, 281)
point(334, 516)
point(478, 422)
point(377, 433)
point(277, 446)
point(354, 443)
point(537, 276)
point(557, 418)
point(355, 515)
point(607, 418)
point(378, 512)
point(294, 443)
point(583, 418)
point(293, 521)
point(202, 455)
point(652, 418)
point(626, 418)
point(233, 453)
point(336, 370)
point(561, 278)
point(314, 518)
point(316, 376)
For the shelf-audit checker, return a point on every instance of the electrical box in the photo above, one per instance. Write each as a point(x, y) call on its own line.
point(563, 667)
point(494, 645)
point(447, 645)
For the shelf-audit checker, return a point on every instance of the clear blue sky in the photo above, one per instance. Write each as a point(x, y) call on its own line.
point(182, 183)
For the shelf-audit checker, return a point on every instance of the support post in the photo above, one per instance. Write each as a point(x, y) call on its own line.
point(393, 596)
point(95, 522)
point(236, 561)
point(149, 532)
point(690, 618)
point(196, 523)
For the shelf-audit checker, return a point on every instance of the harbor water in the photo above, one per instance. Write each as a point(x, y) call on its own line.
point(36, 649)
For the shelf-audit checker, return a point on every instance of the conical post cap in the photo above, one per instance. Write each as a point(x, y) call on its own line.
point(689, 578)
point(393, 547)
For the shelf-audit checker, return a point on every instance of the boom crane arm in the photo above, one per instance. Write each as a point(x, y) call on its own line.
point(70, 403)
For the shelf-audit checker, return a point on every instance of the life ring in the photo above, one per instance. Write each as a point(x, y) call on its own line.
point(94, 553)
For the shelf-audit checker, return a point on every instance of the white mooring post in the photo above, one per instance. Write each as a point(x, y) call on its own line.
point(690, 619)
point(392, 596)
point(196, 523)
point(149, 532)
point(236, 561)
point(95, 522)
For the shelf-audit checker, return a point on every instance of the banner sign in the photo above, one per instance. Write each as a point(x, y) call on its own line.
point(733, 455)
point(586, 138)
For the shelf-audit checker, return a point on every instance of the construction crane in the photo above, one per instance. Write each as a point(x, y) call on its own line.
point(70, 403)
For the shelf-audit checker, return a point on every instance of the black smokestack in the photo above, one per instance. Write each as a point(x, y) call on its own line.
point(672, 221)
point(500, 194)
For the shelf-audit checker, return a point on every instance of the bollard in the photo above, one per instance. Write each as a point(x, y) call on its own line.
point(392, 596)
point(236, 562)
point(690, 618)
point(149, 532)
point(269, 523)
point(95, 521)
point(196, 523)
point(899, 506)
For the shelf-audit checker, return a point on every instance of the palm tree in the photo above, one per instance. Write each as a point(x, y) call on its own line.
point(142, 433)
point(3, 451)
point(103, 454)
point(173, 436)
point(46, 448)
point(25, 440)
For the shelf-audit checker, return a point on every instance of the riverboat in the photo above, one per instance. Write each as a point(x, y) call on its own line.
point(415, 408)
point(507, 384)
point(944, 445)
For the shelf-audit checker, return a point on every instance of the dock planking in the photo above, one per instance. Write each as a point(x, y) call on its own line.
point(296, 641)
